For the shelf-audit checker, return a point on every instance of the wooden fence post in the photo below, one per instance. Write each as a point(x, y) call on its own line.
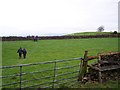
point(83, 66)
point(85, 62)
point(99, 72)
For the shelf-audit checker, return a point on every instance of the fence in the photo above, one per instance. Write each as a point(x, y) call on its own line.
point(105, 62)
point(50, 74)
point(15, 38)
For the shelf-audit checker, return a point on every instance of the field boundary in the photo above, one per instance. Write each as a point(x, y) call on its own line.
point(105, 62)
point(15, 38)
point(73, 77)
point(52, 84)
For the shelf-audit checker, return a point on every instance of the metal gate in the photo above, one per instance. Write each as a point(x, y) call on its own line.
point(51, 74)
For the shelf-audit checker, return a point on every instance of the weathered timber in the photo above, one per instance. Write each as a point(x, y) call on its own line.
point(92, 57)
point(112, 62)
point(85, 62)
point(95, 68)
point(83, 67)
point(109, 53)
point(106, 68)
point(100, 74)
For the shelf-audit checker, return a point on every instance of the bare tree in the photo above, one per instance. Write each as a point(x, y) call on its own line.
point(100, 29)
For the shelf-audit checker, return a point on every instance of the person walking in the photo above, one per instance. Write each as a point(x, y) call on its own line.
point(24, 53)
point(20, 52)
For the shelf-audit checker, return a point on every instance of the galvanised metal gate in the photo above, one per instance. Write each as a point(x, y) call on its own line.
point(49, 74)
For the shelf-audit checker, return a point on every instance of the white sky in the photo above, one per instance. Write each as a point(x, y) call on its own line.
point(56, 17)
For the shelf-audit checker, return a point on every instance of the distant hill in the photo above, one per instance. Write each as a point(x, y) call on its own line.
point(89, 33)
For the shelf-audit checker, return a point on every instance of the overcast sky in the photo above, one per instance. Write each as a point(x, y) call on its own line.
point(56, 17)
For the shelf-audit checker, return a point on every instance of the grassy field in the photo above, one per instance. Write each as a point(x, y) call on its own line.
point(46, 50)
point(90, 33)
point(50, 50)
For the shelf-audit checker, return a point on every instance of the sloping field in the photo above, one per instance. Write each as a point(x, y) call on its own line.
point(46, 50)
point(90, 33)
point(50, 50)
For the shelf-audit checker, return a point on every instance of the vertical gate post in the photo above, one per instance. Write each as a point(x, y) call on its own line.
point(54, 77)
point(20, 77)
point(85, 62)
point(83, 66)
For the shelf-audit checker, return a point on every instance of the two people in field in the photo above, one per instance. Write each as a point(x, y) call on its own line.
point(22, 51)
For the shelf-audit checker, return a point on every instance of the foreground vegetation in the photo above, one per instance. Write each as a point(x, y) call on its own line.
point(50, 50)
point(115, 85)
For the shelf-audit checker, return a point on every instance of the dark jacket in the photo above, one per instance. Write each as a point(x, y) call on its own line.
point(24, 51)
point(20, 50)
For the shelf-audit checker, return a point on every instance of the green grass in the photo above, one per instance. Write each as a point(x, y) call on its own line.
point(95, 85)
point(47, 50)
point(50, 50)
point(90, 33)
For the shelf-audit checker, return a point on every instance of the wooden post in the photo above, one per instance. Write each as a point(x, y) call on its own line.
point(85, 62)
point(83, 66)
point(99, 73)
